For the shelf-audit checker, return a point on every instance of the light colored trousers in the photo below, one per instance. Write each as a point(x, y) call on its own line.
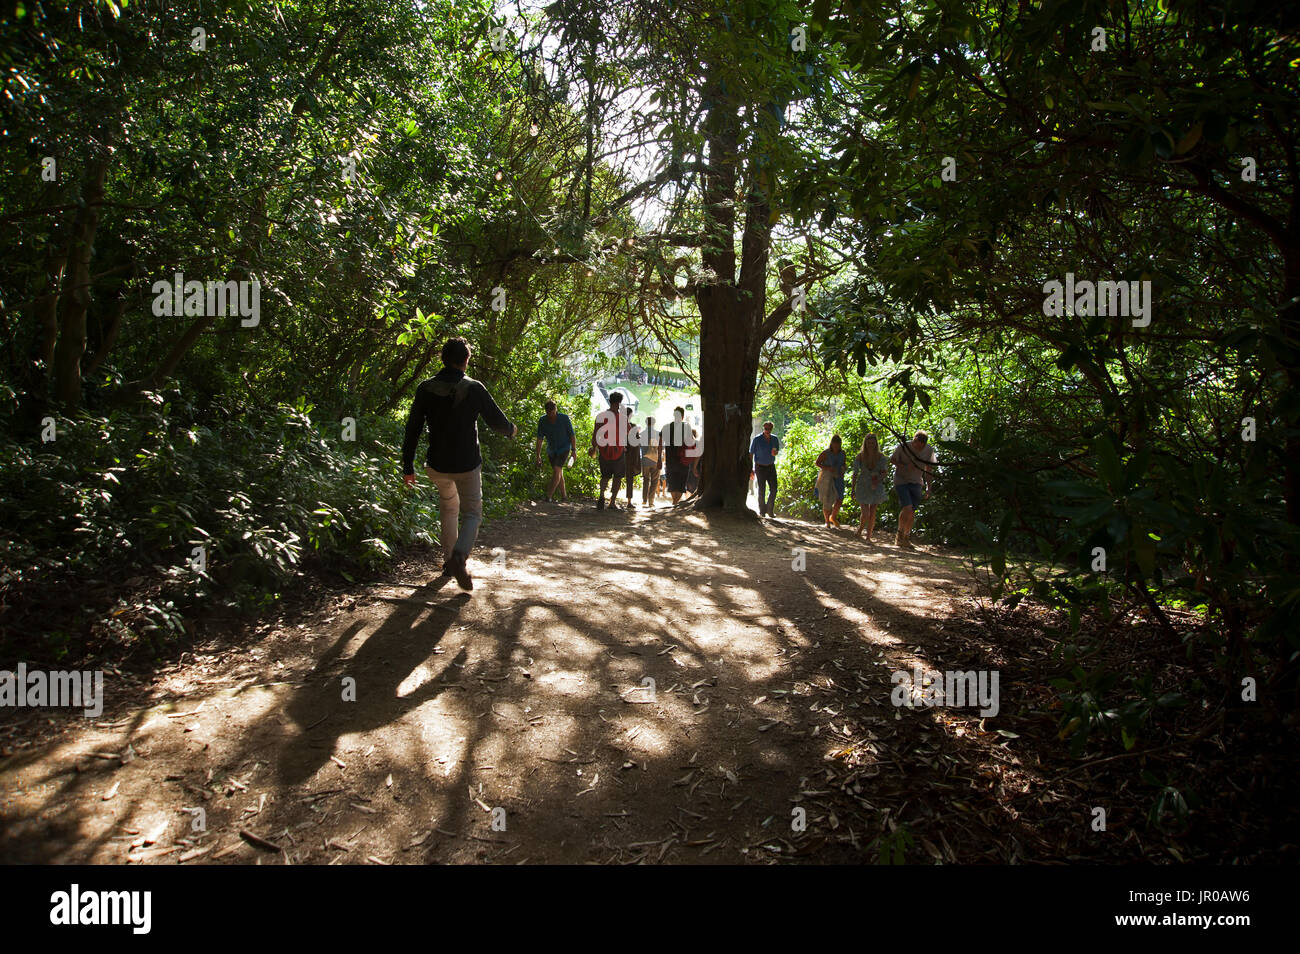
point(459, 494)
point(649, 479)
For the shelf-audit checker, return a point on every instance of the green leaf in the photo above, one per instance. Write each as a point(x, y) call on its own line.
point(1108, 465)
point(1190, 138)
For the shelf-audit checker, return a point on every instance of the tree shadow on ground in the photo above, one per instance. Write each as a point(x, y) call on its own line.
point(656, 687)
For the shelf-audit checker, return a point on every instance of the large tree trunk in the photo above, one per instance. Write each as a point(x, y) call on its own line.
point(46, 307)
point(733, 320)
point(72, 332)
point(728, 376)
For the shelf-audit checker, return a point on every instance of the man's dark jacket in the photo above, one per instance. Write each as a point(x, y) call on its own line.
point(451, 403)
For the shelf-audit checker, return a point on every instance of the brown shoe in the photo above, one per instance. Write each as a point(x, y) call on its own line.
point(460, 572)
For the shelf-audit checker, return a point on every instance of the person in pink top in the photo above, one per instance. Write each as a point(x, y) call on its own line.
point(913, 462)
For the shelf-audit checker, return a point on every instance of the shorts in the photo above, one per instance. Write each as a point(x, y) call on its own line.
point(676, 474)
point(909, 495)
point(612, 468)
point(558, 460)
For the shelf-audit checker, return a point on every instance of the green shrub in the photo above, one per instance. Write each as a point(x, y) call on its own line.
point(138, 490)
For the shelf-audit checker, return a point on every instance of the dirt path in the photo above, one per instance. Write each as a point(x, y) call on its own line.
point(531, 695)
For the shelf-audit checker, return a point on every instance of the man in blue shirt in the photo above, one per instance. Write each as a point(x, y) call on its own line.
point(765, 447)
point(561, 447)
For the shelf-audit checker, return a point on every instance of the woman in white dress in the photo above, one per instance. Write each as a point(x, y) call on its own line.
point(870, 488)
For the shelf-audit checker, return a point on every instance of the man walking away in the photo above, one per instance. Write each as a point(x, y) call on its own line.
point(764, 447)
point(632, 458)
point(912, 463)
point(650, 459)
point(561, 447)
point(693, 471)
point(608, 438)
point(450, 403)
point(676, 439)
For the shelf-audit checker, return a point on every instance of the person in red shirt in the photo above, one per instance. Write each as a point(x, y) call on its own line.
point(609, 441)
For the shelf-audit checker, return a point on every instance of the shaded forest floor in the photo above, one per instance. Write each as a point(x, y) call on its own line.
point(771, 693)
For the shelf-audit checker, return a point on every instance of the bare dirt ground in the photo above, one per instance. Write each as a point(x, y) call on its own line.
point(410, 722)
point(529, 694)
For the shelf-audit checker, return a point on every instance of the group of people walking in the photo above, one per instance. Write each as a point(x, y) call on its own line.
point(913, 463)
point(666, 459)
point(450, 404)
